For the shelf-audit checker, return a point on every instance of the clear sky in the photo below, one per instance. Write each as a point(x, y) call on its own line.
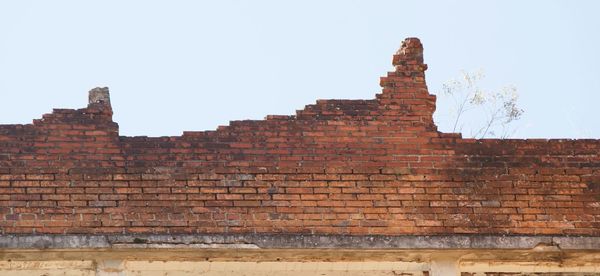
point(193, 65)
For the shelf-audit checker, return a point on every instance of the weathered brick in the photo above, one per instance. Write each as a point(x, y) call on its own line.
point(354, 167)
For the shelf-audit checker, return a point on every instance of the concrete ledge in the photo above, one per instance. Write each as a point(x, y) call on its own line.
point(298, 241)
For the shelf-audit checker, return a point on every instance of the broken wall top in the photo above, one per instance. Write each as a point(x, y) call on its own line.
point(337, 167)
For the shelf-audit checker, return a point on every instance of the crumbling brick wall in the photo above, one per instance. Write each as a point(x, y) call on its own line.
point(337, 167)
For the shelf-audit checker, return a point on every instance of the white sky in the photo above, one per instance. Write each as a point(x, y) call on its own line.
point(193, 65)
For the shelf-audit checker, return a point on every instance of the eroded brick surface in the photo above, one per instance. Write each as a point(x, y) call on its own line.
point(355, 167)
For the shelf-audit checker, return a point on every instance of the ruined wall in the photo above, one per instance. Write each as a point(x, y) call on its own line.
point(337, 167)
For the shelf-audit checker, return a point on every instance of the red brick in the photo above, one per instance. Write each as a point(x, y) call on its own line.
point(352, 167)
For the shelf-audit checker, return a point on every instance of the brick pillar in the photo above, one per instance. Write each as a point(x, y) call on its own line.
point(109, 268)
point(405, 96)
point(444, 266)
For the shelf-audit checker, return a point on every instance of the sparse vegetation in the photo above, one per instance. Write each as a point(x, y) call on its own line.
point(491, 113)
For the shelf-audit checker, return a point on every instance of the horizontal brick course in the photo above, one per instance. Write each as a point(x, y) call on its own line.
point(336, 167)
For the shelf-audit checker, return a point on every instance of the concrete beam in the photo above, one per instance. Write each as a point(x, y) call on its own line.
point(295, 241)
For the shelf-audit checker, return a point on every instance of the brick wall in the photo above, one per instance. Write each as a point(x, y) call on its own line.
point(336, 167)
